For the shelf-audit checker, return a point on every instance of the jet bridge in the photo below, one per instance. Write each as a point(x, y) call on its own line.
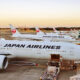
point(55, 57)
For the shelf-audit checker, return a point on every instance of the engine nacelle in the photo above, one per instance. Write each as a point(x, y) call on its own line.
point(3, 62)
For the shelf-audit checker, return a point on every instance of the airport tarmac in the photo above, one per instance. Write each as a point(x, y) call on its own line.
point(17, 72)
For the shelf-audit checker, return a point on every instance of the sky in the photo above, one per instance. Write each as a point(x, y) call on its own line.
point(40, 12)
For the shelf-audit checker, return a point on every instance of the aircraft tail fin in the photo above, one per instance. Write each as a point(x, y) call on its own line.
point(55, 29)
point(14, 31)
point(39, 32)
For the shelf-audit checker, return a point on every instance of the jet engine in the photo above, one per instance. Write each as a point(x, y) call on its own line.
point(3, 62)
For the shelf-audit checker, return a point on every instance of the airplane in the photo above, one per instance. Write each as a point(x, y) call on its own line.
point(57, 36)
point(36, 49)
point(75, 33)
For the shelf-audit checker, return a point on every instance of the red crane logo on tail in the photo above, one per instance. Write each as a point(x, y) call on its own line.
point(13, 31)
point(37, 30)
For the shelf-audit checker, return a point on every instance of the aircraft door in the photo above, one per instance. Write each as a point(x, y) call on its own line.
point(39, 53)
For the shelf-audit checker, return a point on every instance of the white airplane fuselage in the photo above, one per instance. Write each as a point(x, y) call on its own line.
point(53, 37)
point(41, 49)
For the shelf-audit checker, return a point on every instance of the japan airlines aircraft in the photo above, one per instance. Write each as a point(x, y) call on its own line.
point(36, 49)
point(41, 36)
point(55, 36)
point(74, 33)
